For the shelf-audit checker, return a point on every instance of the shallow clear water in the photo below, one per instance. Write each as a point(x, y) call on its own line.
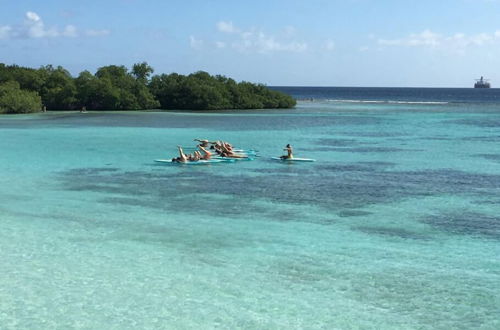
point(395, 226)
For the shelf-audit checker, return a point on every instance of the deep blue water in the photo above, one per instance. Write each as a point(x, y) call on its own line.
point(391, 94)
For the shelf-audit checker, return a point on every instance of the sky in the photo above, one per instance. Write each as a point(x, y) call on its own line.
point(380, 43)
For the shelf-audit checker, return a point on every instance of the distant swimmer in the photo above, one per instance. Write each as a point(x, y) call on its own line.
point(289, 151)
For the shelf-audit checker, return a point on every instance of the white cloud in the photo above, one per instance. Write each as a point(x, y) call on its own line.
point(195, 43)
point(34, 27)
point(425, 38)
point(5, 32)
point(255, 40)
point(457, 41)
point(70, 31)
point(262, 43)
point(226, 27)
point(31, 16)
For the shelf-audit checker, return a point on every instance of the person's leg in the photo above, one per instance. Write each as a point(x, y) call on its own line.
point(182, 156)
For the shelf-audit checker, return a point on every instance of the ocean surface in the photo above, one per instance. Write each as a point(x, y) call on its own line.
point(395, 226)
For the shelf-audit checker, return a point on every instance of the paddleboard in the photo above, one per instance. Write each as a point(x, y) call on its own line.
point(244, 151)
point(230, 158)
point(199, 162)
point(294, 159)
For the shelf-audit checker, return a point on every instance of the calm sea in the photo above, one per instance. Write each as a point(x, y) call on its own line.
point(395, 226)
point(395, 95)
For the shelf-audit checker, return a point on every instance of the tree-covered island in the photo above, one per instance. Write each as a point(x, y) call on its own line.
point(113, 87)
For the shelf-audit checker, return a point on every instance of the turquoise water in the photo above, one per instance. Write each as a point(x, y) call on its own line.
point(395, 226)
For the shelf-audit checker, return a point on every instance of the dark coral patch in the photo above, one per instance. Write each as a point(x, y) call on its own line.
point(466, 223)
point(391, 232)
point(353, 213)
point(335, 187)
point(494, 157)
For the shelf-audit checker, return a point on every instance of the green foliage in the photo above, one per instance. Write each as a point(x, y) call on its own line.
point(142, 71)
point(13, 99)
point(29, 79)
point(58, 90)
point(201, 91)
point(115, 88)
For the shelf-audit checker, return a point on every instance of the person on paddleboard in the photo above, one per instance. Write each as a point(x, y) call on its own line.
point(182, 156)
point(226, 150)
point(196, 156)
point(204, 143)
point(289, 151)
point(207, 154)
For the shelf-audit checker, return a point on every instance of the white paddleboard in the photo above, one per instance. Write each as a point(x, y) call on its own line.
point(199, 162)
point(231, 158)
point(294, 159)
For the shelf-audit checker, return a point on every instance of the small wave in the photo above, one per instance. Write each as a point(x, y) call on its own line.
point(418, 102)
point(386, 101)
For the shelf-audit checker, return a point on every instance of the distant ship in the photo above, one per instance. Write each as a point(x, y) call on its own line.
point(482, 83)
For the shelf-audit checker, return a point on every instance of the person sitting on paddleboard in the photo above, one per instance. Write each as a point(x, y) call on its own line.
point(289, 151)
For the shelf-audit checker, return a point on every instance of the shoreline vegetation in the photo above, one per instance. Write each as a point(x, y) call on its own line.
point(113, 87)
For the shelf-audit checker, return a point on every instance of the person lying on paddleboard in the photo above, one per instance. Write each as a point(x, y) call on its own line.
point(216, 145)
point(207, 154)
point(228, 146)
point(226, 151)
point(197, 156)
point(289, 151)
point(182, 156)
